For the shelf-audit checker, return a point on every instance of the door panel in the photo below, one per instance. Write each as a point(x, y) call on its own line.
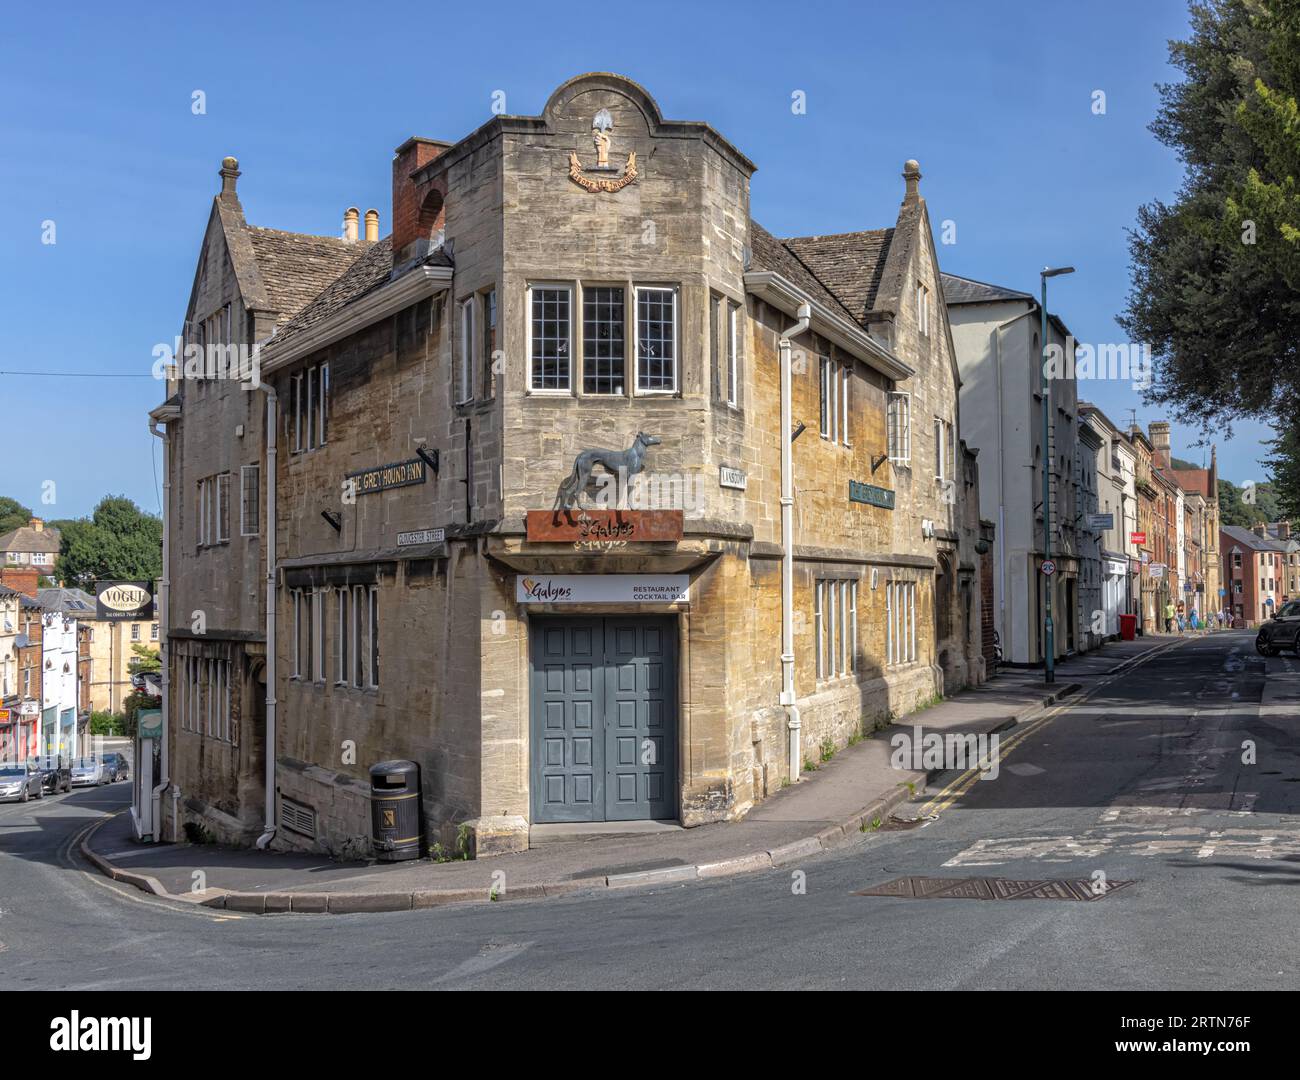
point(640, 698)
point(568, 701)
point(604, 719)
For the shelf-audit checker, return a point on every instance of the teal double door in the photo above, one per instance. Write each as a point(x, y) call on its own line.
point(604, 718)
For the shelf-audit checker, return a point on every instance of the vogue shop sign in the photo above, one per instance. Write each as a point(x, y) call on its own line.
point(602, 588)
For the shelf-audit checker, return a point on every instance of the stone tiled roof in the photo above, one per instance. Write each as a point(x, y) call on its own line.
point(960, 290)
point(772, 254)
point(371, 270)
point(25, 538)
point(367, 272)
point(296, 267)
point(850, 265)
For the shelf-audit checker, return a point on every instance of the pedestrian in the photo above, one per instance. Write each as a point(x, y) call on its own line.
point(1169, 618)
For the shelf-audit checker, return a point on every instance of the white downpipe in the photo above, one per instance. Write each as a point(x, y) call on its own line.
point(272, 421)
point(164, 651)
point(787, 542)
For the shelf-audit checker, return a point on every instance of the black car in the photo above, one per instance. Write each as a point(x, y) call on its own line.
point(1280, 632)
point(116, 767)
point(56, 774)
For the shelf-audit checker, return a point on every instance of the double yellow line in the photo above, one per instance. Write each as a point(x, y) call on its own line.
point(955, 790)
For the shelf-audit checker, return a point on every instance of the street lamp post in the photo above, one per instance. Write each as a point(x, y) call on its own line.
point(1049, 651)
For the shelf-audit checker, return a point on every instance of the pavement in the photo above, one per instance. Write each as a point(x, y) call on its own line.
point(854, 793)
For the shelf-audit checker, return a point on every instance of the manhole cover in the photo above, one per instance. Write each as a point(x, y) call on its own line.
point(980, 888)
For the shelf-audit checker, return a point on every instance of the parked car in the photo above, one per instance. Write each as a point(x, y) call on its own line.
point(89, 771)
point(118, 767)
point(55, 774)
point(21, 780)
point(1280, 632)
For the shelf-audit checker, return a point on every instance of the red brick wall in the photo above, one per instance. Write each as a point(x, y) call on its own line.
point(22, 578)
point(409, 197)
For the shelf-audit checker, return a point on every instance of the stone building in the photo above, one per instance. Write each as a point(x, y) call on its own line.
point(555, 632)
point(248, 282)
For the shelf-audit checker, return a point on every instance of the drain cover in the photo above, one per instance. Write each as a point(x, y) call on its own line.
point(981, 888)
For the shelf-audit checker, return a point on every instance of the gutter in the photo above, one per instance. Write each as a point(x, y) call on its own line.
point(773, 289)
point(411, 287)
point(793, 722)
point(272, 419)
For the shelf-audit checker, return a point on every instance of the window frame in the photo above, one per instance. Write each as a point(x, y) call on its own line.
point(568, 288)
point(903, 399)
point(637, 292)
point(586, 291)
point(245, 471)
point(466, 351)
point(733, 353)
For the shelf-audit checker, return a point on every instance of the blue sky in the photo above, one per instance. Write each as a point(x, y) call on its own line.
point(994, 100)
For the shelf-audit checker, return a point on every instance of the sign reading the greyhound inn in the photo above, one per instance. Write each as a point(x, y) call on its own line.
point(602, 588)
point(121, 600)
point(603, 526)
point(383, 477)
point(871, 495)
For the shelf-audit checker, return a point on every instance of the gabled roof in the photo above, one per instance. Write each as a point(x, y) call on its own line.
point(1251, 540)
point(68, 601)
point(25, 538)
point(850, 265)
point(296, 267)
point(773, 254)
point(961, 290)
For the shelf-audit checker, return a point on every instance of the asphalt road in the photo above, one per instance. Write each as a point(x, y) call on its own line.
point(1145, 782)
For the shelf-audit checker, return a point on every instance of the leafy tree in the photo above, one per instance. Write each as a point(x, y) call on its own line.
point(1232, 511)
point(1216, 274)
point(118, 541)
point(13, 514)
point(145, 660)
point(1284, 467)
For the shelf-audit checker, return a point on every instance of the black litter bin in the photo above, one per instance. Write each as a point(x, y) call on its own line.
point(395, 810)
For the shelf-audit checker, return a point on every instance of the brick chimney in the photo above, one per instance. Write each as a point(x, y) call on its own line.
point(1284, 530)
point(37, 524)
point(1160, 443)
point(1260, 529)
point(417, 208)
point(23, 578)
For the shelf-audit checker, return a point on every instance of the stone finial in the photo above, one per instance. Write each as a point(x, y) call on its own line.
point(912, 174)
point(229, 173)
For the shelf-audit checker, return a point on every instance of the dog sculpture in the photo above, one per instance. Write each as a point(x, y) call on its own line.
point(621, 463)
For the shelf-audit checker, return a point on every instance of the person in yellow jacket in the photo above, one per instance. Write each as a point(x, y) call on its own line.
point(1169, 618)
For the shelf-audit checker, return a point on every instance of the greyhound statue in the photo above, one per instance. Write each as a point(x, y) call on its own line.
point(622, 463)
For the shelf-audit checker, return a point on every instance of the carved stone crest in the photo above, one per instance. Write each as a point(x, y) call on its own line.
point(601, 126)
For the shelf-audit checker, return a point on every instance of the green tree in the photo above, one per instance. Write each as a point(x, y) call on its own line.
point(118, 541)
point(1216, 283)
point(1284, 467)
point(12, 514)
point(144, 659)
point(1232, 511)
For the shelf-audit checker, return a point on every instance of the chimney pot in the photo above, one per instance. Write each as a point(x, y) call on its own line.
point(372, 226)
point(37, 524)
point(350, 218)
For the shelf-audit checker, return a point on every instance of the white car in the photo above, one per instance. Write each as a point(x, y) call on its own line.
point(89, 771)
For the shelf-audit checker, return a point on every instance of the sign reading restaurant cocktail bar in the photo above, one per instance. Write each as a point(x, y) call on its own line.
point(383, 477)
point(121, 600)
point(586, 526)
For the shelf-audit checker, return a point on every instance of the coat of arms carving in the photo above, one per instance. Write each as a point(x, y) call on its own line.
point(601, 126)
